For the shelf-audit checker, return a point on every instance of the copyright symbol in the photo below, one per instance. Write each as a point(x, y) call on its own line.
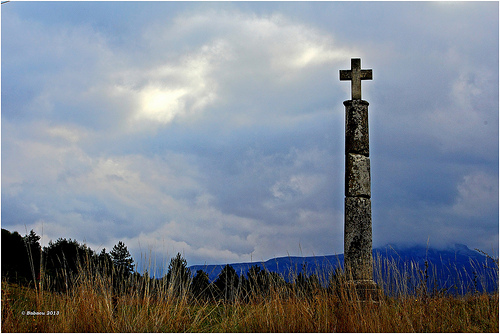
point(23, 313)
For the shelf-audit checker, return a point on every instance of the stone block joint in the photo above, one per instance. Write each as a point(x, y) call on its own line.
point(358, 261)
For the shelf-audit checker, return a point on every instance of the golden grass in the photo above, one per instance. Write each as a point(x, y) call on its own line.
point(91, 306)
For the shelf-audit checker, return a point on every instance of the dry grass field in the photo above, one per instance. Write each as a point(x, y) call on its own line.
point(92, 306)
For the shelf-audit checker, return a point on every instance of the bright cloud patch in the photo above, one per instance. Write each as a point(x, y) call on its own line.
point(162, 106)
point(477, 195)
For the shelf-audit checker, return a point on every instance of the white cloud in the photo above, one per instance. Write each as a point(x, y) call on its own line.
point(238, 57)
point(66, 133)
point(477, 195)
point(161, 106)
point(296, 185)
point(178, 90)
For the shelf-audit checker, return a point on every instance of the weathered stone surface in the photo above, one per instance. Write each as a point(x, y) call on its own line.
point(355, 75)
point(357, 175)
point(358, 238)
point(358, 260)
point(356, 127)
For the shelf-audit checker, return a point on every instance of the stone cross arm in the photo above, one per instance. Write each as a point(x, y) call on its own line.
point(356, 74)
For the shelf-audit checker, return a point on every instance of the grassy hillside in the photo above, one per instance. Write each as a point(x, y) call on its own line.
point(94, 305)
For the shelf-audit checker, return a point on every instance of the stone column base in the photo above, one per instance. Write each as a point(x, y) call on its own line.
point(366, 290)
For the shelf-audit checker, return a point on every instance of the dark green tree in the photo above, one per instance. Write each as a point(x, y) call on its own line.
point(104, 263)
point(34, 251)
point(226, 283)
point(301, 282)
point(32, 238)
point(20, 257)
point(258, 280)
point(64, 259)
point(200, 286)
point(278, 284)
point(178, 276)
point(305, 284)
point(122, 259)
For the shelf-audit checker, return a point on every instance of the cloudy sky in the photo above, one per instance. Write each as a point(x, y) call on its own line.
point(217, 129)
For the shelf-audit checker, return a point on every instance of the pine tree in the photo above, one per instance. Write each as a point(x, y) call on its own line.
point(122, 258)
point(227, 283)
point(34, 253)
point(63, 260)
point(105, 262)
point(178, 275)
point(200, 286)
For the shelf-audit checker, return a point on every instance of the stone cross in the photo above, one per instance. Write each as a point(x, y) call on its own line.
point(358, 261)
point(356, 74)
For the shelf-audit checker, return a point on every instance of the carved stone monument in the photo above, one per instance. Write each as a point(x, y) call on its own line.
point(358, 262)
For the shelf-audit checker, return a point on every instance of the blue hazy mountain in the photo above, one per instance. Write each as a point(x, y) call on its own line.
point(288, 266)
point(454, 268)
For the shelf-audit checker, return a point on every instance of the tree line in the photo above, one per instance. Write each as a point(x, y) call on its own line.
point(24, 261)
point(60, 265)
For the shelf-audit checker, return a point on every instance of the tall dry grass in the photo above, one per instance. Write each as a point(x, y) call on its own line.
point(147, 305)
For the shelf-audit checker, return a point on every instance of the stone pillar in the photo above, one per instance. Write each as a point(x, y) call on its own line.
point(358, 260)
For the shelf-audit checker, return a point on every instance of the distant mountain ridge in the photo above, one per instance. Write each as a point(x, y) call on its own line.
point(443, 266)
